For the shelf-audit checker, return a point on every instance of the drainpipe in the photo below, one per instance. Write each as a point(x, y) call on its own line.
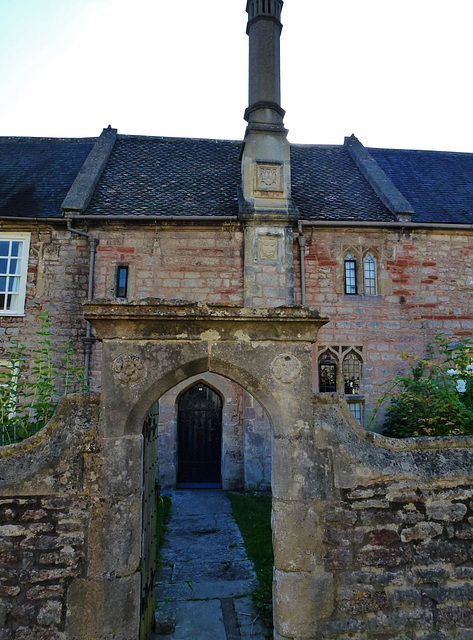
point(301, 239)
point(88, 341)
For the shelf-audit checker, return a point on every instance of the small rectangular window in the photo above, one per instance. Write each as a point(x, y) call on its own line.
point(356, 409)
point(350, 276)
point(122, 282)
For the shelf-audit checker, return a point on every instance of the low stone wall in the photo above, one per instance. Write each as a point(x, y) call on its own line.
point(44, 516)
point(382, 548)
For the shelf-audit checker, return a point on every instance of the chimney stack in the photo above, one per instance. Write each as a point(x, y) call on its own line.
point(264, 31)
point(266, 171)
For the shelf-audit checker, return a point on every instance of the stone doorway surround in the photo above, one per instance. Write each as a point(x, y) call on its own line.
point(246, 436)
point(149, 347)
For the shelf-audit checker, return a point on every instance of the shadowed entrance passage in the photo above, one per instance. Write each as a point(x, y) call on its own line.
point(199, 422)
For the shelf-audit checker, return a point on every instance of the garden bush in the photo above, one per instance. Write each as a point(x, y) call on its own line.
point(435, 398)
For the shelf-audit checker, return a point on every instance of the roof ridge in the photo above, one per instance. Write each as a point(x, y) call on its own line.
point(46, 139)
point(423, 151)
point(173, 138)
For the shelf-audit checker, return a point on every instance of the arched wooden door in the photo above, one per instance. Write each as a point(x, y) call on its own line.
point(199, 424)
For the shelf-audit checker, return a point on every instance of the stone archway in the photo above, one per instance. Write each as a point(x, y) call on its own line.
point(246, 435)
point(149, 348)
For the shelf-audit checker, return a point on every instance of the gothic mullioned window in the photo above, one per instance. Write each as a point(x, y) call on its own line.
point(360, 271)
point(340, 369)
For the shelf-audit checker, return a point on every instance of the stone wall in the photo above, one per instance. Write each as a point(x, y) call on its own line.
point(424, 280)
point(44, 519)
point(57, 280)
point(380, 546)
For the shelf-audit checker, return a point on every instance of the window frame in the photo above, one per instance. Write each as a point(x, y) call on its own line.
point(329, 360)
point(25, 239)
point(126, 269)
point(369, 254)
point(350, 260)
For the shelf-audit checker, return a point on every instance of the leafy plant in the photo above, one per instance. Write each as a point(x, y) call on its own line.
point(435, 398)
point(28, 400)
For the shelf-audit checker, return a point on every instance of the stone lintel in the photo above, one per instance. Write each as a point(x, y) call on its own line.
point(153, 319)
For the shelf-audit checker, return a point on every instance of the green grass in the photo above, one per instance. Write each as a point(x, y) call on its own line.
point(163, 515)
point(252, 514)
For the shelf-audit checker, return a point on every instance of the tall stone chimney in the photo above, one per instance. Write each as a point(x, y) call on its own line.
point(266, 174)
point(265, 204)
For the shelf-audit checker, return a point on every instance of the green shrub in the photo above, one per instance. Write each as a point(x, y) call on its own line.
point(435, 398)
point(27, 402)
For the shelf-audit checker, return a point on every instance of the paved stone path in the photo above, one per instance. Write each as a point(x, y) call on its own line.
point(206, 578)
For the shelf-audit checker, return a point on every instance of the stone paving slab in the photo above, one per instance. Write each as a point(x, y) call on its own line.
point(251, 627)
point(206, 579)
point(204, 589)
point(195, 620)
point(201, 570)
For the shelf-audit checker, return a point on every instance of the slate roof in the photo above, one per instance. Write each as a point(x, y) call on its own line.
point(169, 176)
point(327, 185)
point(36, 174)
point(159, 176)
point(438, 184)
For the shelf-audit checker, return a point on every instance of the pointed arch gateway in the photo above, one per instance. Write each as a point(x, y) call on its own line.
point(147, 350)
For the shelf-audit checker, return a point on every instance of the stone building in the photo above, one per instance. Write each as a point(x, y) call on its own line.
point(379, 241)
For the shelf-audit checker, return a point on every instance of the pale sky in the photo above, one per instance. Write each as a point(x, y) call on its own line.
point(397, 73)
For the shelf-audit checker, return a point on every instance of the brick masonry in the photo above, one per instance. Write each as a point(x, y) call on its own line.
point(425, 286)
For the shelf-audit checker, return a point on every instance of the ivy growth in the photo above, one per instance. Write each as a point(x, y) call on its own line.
point(27, 402)
point(435, 398)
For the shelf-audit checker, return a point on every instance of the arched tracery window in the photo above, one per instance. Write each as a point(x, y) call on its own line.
point(352, 374)
point(327, 373)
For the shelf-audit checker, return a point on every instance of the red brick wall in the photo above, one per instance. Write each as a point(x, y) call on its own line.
point(425, 282)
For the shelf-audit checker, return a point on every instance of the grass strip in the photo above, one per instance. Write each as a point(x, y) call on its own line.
point(252, 514)
point(163, 516)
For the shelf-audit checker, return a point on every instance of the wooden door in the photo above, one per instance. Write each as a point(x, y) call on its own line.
point(199, 420)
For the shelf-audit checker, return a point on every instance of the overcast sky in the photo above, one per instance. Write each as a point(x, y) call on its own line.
point(397, 73)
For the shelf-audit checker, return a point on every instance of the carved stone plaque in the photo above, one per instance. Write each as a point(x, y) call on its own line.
point(268, 247)
point(268, 176)
point(286, 368)
point(129, 369)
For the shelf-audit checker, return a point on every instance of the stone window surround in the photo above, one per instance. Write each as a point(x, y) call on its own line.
point(25, 239)
point(359, 256)
point(338, 354)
